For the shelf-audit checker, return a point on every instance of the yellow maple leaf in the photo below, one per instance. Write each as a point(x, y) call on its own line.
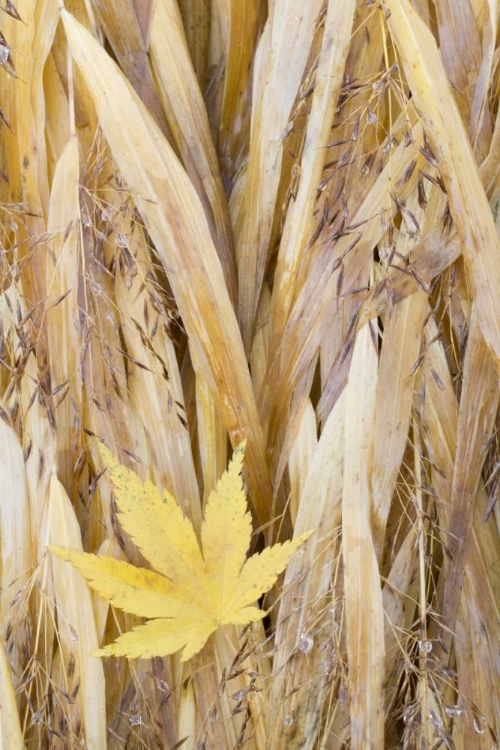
point(194, 591)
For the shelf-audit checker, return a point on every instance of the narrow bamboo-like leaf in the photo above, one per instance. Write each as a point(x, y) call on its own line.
point(318, 297)
point(307, 581)
point(476, 417)
point(10, 728)
point(64, 333)
point(290, 38)
point(468, 203)
point(196, 19)
point(77, 635)
point(299, 226)
point(175, 219)
point(124, 33)
point(16, 552)
point(242, 21)
point(364, 610)
point(182, 100)
point(155, 389)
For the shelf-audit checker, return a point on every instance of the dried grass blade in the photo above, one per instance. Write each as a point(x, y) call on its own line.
point(17, 552)
point(107, 413)
point(481, 125)
point(290, 39)
point(460, 48)
point(154, 383)
point(302, 681)
point(187, 719)
point(468, 203)
point(212, 437)
point(399, 603)
point(476, 420)
point(185, 109)
point(25, 151)
point(122, 29)
point(175, 220)
point(318, 300)
point(478, 671)
point(196, 19)
point(243, 17)
point(46, 20)
point(400, 351)
point(299, 225)
point(259, 357)
point(76, 628)
point(11, 737)
point(301, 456)
point(363, 595)
point(429, 260)
point(57, 126)
point(62, 302)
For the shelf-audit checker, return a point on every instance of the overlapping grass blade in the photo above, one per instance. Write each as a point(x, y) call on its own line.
point(175, 219)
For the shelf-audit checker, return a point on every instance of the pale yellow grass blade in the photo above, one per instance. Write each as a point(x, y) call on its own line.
point(39, 447)
point(403, 328)
point(477, 668)
point(183, 104)
point(476, 421)
point(212, 437)
point(317, 302)
point(107, 412)
point(17, 553)
point(400, 352)
point(57, 126)
point(245, 689)
point(11, 737)
point(85, 114)
point(300, 218)
point(25, 152)
point(460, 49)
point(202, 671)
point(45, 22)
point(121, 26)
point(305, 671)
point(399, 601)
point(109, 548)
point(31, 44)
point(153, 373)
point(214, 81)
point(259, 356)
point(468, 203)
point(290, 39)
point(175, 220)
point(301, 456)
point(62, 318)
point(196, 19)
point(481, 124)
point(243, 17)
point(76, 629)
point(187, 720)
point(363, 595)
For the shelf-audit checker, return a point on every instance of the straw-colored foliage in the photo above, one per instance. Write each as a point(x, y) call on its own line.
point(263, 220)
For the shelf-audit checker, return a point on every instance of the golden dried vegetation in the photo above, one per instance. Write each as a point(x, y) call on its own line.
point(273, 221)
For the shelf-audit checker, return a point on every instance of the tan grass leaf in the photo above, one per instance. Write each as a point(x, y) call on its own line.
point(468, 203)
point(175, 220)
